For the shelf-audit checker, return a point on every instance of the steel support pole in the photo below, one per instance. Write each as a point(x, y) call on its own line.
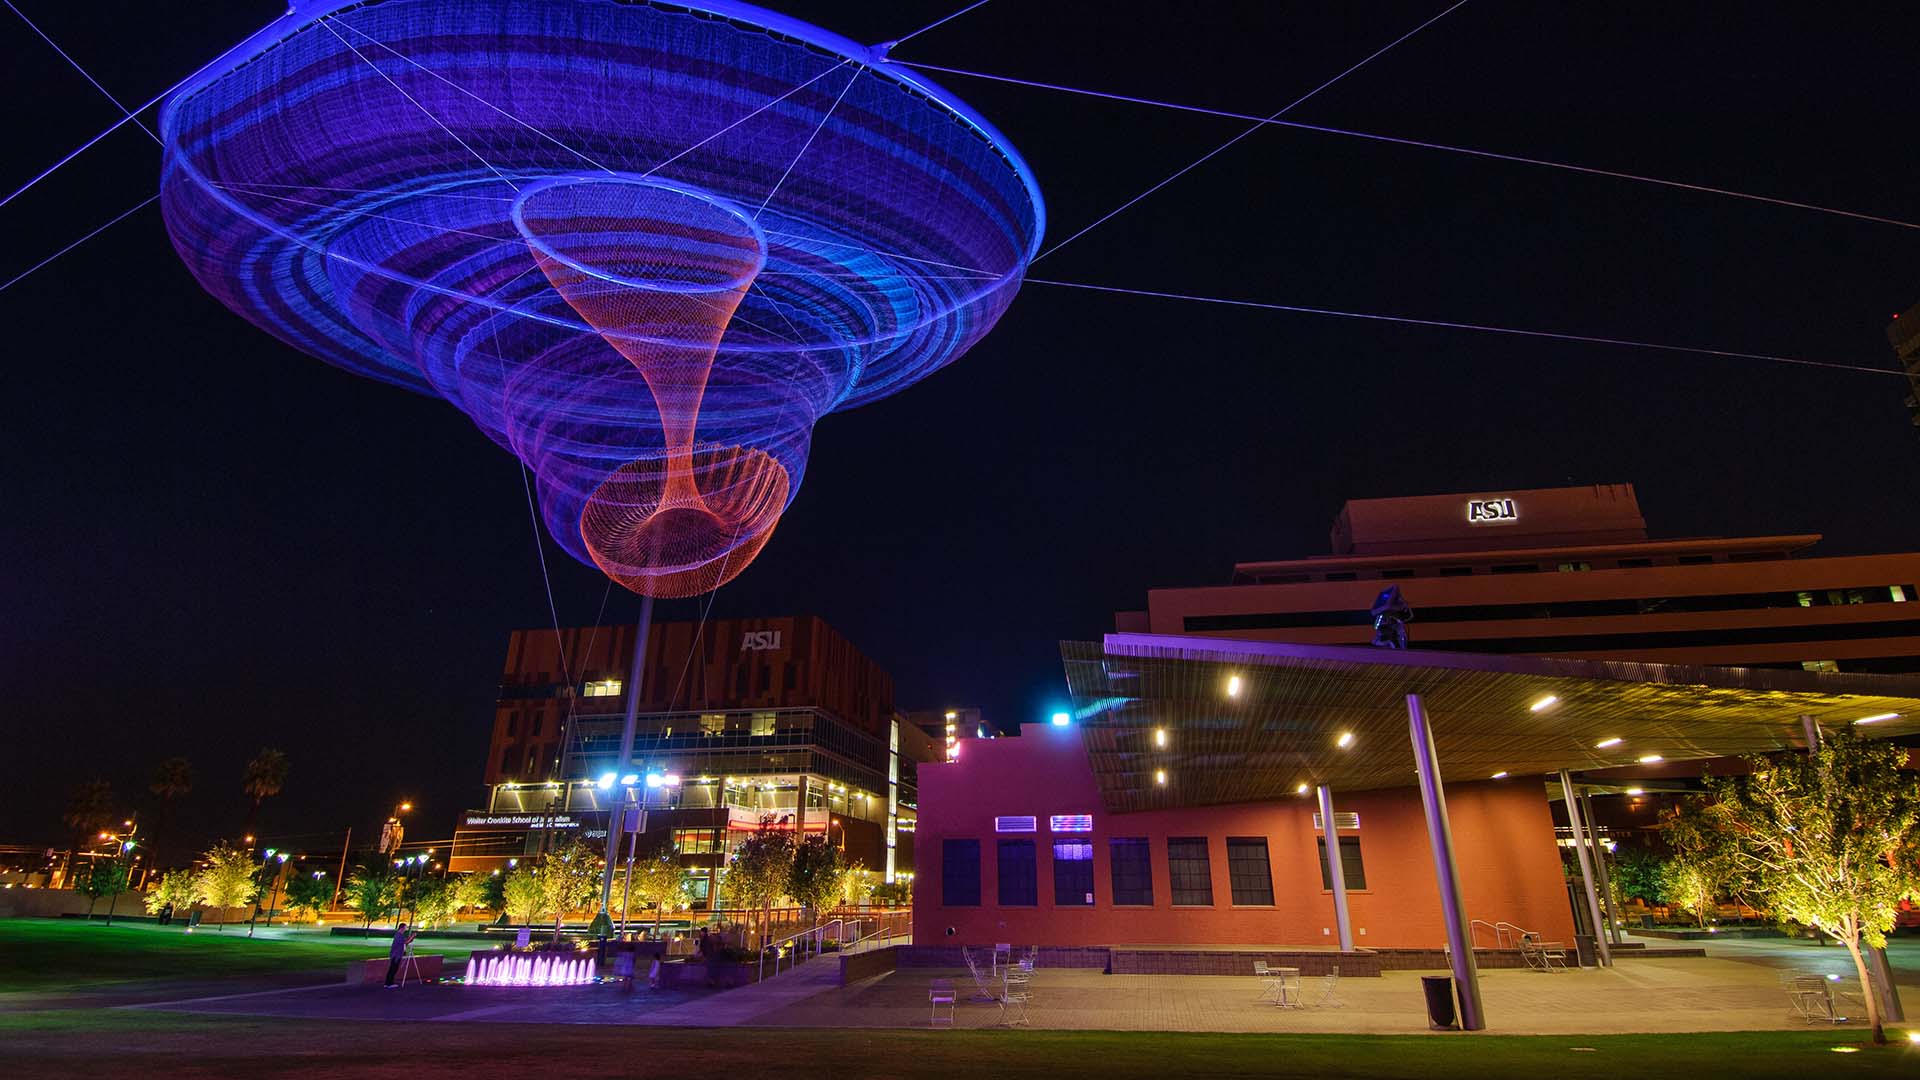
point(1600, 866)
point(1336, 874)
point(1433, 800)
point(1602, 951)
point(635, 682)
point(1812, 729)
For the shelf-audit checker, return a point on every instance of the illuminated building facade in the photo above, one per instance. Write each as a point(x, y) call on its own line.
point(743, 724)
point(1566, 572)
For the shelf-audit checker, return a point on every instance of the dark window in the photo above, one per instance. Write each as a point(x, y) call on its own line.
point(1456, 571)
point(1341, 575)
point(1396, 573)
point(1635, 564)
point(1694, 560)
point(787, 676)
point(1284, 579)
point(960, 873)
point(508, 759)
point(1073, 873)
point(1247, 870)
point(1188, 872)
point(1131, 862)
point(539, 721)
point(1352, 870)
point(1019, 882)
point(1517, 568)
point(766, 677)
point(513, 723)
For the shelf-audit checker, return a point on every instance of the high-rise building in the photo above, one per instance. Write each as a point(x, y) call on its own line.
point(742, 724)
point(1904, 333)
point(1566, 572)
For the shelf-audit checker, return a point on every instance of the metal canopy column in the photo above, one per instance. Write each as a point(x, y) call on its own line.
point(1433, 800)
point(1602, 950)
point(1599, 851)
point(635, 679)
point(1336, 873)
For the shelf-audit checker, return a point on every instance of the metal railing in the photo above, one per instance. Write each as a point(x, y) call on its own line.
point(1505, 934)
point(858, 934)
point(802, 946)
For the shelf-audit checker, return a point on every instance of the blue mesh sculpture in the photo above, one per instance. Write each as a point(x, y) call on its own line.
point(645, 247)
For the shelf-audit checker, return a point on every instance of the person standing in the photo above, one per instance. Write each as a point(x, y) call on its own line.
point(402, 938)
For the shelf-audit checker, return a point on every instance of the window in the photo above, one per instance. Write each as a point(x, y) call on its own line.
point(1131, 862)
point(713, 723)
point(539, 721)
point(1247, 870)
point(960, 873)
point(1352, 870)
point(508, 759)
point(1456, 571)
point(763, 678)
point(1188, 872)
point(1019, 881)
point(761, 724)
point(1517, 568)
point(1341, 575)
point(1635, 564)
point(1073, 873)
point(513, 723)
point(1694, 560)
point(696, 841)
point(603, 688)
point(1573, 567)
point(1396, 573)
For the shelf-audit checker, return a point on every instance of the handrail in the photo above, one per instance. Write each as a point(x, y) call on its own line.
point(1506, 935)
point(814, 936)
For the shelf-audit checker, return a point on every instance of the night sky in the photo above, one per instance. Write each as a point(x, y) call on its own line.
point(212, 543)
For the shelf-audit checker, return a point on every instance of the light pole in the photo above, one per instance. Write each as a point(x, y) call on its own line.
point(264, 860)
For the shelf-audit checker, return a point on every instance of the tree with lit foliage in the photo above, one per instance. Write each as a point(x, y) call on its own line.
point(857, 884)
point(813, 875)
point(522, 897)
point(469, 891)
point(758, 873)
point(569, 877)
point(106, 877)
point(660, 880)
point(227, 881)
point(372, 891)
point(307, 895)
point(174, 890)
point(429, 899)
point(1703, 864)
point(1831, 839)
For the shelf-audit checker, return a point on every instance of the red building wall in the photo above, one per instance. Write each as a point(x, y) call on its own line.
point(1502, 830)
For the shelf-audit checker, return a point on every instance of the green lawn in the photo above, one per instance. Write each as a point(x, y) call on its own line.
point(67, 954)
point(108, 1043)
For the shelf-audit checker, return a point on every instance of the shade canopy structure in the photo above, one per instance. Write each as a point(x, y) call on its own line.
point(1242, 721)
point(644, 246)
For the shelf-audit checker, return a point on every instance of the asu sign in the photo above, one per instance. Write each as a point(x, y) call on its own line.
point(1491, 512)
point(760, 640)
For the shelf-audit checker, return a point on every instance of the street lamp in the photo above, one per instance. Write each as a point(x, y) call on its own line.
point(269, 857)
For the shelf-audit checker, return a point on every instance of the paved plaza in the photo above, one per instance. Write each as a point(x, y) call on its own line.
point(1736, 987)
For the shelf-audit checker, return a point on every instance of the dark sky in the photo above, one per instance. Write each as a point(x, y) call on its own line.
point(211, 543)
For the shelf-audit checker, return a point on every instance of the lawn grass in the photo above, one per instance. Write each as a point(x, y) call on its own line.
point(102, 1042)
point(68, 954)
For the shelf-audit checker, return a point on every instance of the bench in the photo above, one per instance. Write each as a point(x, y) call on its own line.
point(374, 972)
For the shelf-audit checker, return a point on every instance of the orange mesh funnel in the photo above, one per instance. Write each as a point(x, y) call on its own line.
point(658, 271)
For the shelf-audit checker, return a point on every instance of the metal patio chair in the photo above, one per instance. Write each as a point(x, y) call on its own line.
point(939, 993)
point(1013, 1006)
point(983, 984)
point(1330, 991)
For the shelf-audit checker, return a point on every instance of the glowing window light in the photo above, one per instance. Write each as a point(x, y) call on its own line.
point(1877, 717)
point(1345, 740)
point(1015, 824)
point(1160, 737)
point(1547, 702)
point(1061, 719)
point(1501, 775)
point(1233, 686)
point(1070, 823)
point(1604, 743)
point(1650, 759)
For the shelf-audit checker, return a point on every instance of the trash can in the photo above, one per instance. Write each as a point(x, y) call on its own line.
point(1646, 922)
point(1439, 991)
point(1583, 946)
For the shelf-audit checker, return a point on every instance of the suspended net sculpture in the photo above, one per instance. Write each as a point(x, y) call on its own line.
point(645, 247)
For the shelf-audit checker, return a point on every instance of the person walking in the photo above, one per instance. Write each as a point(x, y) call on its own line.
point(397, 952)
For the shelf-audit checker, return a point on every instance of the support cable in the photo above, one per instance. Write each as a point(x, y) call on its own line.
point(1258, 124)
point(1515, 159)
point(83, 71)
point(942, 21)
point(125, 214)
point(1451, 325)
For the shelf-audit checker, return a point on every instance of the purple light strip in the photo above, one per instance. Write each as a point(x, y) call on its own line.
point(1493, 155)
point(1258, 124)
point(1449, 325)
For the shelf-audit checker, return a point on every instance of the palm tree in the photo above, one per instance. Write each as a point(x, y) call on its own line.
point(264, 776)
point(172, 781)
point(89, 809)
